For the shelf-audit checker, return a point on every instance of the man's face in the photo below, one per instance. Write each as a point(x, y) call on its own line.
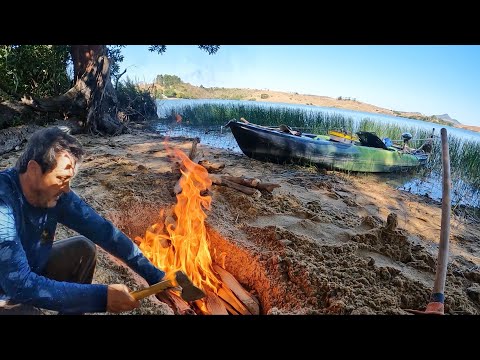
point(52, 184)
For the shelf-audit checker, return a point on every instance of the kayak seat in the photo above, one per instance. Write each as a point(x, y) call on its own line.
point(371, 140)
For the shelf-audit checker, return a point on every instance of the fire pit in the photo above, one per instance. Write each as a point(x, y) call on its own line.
point(179, 239)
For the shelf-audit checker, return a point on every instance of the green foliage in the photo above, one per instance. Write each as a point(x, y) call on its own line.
point(114, 53)
point(39, 70)
point(264, 96)
point(169, 92)
point(168, 80)
point(137, 104)
point(160, 49)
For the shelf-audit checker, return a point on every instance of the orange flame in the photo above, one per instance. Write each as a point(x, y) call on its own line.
point(183, 245)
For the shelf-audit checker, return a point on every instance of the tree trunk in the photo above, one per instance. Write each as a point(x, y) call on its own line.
point(92, 100)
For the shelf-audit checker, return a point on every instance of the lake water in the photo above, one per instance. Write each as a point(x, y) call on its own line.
point(220, 137)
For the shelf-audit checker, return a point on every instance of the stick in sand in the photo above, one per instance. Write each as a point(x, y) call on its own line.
point(436, 304)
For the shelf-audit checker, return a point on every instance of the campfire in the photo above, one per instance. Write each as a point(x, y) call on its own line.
point(180, 241)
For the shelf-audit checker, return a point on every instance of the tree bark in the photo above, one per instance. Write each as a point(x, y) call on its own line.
point(92, 99)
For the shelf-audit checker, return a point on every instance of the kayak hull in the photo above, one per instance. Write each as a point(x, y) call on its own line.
point(266, 144)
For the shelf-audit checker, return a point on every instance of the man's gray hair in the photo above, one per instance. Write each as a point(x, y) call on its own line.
point(45, 144)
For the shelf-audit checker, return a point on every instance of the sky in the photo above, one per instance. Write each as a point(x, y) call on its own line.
point(430, 79)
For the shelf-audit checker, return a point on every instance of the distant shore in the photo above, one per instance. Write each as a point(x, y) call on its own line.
point(186, 90)
point(348, 104)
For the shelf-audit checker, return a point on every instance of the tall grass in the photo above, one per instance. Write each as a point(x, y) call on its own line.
point(219, 114)
point(465, 168)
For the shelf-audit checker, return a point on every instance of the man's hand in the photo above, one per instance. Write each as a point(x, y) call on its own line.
point(119, 299)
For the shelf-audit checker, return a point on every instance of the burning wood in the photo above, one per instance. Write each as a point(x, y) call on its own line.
point(178, 305)
point(180, 242)
point(229, 297)
point(213, 305)
point(244, 296)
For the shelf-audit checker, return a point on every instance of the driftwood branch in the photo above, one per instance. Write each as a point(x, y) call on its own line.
point(249, 186)
point(252, 182)
point(218, 180)
point(212, 167)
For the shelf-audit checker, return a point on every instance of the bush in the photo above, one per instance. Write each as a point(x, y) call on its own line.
point(38, 70)
point(264, 96)
point(137, 104)
point(170, 93)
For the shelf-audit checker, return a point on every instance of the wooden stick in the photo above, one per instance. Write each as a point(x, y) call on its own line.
point(442, 261)
point(437, 299)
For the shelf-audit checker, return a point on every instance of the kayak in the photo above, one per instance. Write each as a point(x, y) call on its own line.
point(281, 145)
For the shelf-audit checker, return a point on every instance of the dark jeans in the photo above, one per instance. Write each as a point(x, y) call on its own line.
point(71, 260)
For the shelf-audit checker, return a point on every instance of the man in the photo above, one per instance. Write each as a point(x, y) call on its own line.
point(35, 271)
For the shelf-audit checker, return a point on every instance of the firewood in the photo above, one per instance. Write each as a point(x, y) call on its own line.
point(217, 180)
point(229, 307)
point(178, 305)
point(251, 182)
point(267, 186)
point(212, 167)
point(228, 296)
point(214, 305)
point(244, 296)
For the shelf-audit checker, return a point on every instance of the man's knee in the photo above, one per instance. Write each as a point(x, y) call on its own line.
point(80, 245)
point(86, 247)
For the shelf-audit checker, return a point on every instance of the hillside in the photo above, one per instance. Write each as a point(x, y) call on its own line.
point(446, 117)
point(181, 90)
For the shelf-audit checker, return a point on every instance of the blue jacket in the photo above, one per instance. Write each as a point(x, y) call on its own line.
point(26, 237)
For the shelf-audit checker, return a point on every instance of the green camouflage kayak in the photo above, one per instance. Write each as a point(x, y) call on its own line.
point(369, 154)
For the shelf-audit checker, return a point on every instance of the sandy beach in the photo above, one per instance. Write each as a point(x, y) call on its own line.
point(318, 244)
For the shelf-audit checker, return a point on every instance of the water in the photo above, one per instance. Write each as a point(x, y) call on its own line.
point(220, 137)
point(215, 135)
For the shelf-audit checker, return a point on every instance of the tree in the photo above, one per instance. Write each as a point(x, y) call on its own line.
point(93, 99)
